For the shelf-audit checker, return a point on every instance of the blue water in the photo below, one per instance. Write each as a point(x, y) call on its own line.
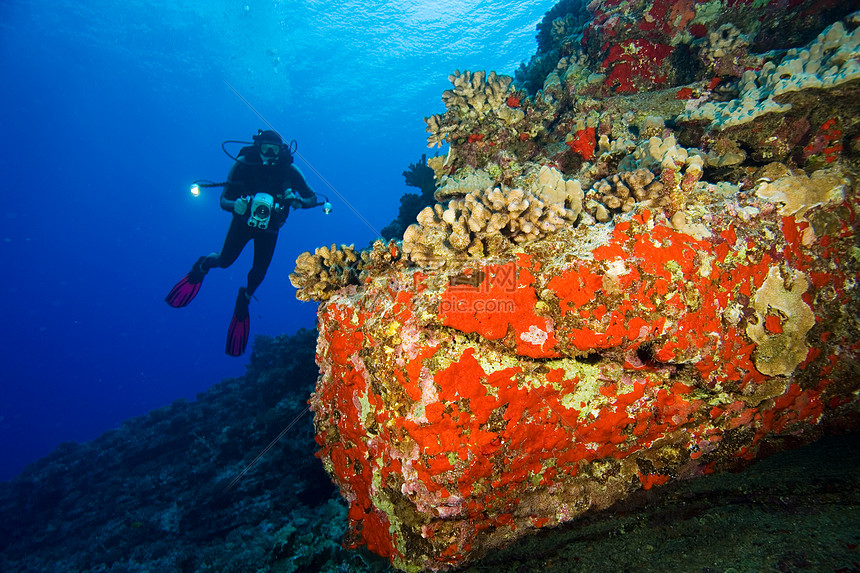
point(108, 110)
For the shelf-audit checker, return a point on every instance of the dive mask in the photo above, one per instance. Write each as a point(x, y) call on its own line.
point(270, 150)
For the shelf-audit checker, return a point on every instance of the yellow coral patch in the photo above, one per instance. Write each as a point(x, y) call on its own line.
point(780, 353)
point(799, 193)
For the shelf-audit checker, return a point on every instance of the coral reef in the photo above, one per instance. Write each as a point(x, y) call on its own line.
point(418, 175)
point(489, 222)
point(829, 61)
point(317, 276)
point(638, 46)
point(704, 48)
point(461, 408)
point(659, 283)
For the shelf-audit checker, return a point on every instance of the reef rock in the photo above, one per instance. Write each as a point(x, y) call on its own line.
point(463, 407)
point(656, 286)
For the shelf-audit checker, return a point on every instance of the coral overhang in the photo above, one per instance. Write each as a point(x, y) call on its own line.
point(459, 411)
point(695, 311)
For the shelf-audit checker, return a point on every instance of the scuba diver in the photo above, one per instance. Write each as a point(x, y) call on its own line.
point(261, 187)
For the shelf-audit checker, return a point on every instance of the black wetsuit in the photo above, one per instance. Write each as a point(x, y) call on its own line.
point(247, 177)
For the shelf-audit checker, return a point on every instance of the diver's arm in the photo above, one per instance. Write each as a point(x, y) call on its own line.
point(305, 197)
point(226, 204)
point(230, 191)
point(305, 202)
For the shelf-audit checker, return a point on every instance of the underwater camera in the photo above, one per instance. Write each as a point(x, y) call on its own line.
point(261, 210)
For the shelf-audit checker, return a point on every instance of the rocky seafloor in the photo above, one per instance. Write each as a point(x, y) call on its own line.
point(153, 496)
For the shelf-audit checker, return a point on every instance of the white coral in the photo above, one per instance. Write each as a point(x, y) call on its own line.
point(475, 95)
point(832, 59)
point(485, 220)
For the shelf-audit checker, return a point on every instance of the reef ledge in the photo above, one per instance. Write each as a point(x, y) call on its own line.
point(617, 289)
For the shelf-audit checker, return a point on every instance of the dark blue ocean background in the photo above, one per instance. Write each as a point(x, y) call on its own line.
point(111, 109)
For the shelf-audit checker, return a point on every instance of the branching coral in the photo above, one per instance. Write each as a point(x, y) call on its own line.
point(679, 171)
point(378, 257)
point(554, 188)
point(475, 96)
point(439, 131)
point(318, 275)
point(489, 221)
point(622, 191)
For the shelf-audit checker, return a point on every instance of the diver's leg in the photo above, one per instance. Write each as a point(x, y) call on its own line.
point(187, 288)
point(240, 325)
point(264, 249)
point(237, 237)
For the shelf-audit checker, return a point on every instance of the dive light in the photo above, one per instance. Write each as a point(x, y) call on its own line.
point(326, 205)
point(196, 185)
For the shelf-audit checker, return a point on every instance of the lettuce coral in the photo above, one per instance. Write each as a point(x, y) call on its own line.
point(783, 321)
point(831, 60)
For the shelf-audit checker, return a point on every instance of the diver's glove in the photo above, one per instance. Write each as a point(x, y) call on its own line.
point(240, 205)
point(292, 199)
